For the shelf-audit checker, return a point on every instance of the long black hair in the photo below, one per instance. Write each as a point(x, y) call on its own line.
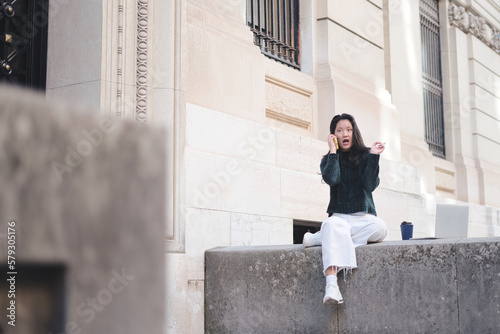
point(358, 148)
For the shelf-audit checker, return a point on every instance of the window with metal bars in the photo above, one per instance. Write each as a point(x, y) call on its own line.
point(23, 42)
point(275, 26)
point(431, 76)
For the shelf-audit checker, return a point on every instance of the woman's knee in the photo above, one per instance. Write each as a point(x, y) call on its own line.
point(379, 228)
point(335, 222)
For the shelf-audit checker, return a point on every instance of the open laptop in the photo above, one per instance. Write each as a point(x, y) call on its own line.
point(452, 221)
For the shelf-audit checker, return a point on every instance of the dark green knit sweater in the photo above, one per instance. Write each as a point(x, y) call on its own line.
point(350, 187)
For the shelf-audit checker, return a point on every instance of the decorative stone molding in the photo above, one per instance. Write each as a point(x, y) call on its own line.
point(142, 59)
point(445, 180)
point(468, 22)
point(120, 62)
point(288, 104)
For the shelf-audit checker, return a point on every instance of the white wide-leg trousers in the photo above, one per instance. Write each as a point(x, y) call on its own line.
point(342, 233)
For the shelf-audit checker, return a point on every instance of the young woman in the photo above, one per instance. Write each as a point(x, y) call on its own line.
point(351, 171)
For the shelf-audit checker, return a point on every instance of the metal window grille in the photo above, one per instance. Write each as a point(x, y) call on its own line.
point(431, 77)
point(23, 42)
point(275, 25)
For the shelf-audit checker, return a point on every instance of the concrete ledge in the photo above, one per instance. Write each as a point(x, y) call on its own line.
point(424, 286)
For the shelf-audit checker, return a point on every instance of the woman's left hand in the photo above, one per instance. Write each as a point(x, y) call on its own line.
point(377, 147)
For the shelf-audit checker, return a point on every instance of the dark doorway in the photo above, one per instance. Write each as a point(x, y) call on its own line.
point(23, 42)
point(38, 293)
point(300, 227)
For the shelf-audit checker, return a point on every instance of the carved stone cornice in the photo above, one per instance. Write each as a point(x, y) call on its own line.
point(470, 23)
point(288, 104)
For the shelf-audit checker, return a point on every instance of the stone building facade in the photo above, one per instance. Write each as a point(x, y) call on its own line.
point(246, 132)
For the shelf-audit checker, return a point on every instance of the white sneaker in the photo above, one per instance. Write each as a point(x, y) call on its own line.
point(332, 295)
point(312, 239)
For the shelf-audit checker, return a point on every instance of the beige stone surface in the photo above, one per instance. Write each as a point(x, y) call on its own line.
point(358, 16)
point(70, 63)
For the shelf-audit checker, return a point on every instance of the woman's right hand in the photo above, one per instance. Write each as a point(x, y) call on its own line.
point(331, 144)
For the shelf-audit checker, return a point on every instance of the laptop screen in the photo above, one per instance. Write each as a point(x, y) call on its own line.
point(452, 221)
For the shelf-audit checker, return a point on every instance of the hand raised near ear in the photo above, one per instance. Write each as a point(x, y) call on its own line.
point(332, 143)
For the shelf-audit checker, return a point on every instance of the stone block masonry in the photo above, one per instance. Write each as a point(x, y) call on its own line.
point(419, 286)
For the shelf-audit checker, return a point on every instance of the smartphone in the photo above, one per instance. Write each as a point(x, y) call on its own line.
point(336, 142)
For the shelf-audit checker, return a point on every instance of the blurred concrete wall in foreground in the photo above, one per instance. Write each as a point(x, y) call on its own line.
point(82, 218)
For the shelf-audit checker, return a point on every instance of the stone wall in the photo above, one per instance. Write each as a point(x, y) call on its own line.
point(434, 286)
point(82, 211)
